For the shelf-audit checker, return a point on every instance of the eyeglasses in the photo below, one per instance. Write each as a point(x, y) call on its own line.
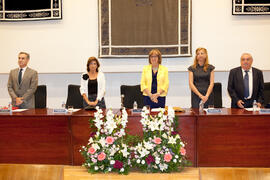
point(153, 56)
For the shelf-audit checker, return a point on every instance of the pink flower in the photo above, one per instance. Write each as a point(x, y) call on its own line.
point(118, 164)
point(183, 151)
point(101, 156)
point(157, 140)
point(91, 150)
point(149, 159)
point(109, 140)
point(167, 157)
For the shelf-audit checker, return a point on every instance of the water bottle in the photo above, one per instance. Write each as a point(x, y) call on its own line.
point(122, 101)
point(201, 104)
point(63, 106)
point(135, 106)
point(255, 105)
point(10, 107)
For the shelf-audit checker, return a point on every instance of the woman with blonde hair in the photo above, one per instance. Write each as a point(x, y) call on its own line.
point(154, 81)
point(201, 79)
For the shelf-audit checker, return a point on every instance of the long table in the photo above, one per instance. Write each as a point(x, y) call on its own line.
point(235, 138)
point(232, 138)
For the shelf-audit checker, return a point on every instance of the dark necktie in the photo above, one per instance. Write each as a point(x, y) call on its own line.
point(20, 76)
point(246, 84)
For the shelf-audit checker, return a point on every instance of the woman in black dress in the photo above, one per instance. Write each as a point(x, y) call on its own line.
point(201, 79)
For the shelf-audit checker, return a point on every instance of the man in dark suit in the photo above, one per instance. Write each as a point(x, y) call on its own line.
point(246, 84)
point(22, 83)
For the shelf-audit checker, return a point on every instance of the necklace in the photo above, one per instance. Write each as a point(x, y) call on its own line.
point(155, 68)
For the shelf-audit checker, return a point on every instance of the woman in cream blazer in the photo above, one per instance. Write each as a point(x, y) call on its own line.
point(93, 85)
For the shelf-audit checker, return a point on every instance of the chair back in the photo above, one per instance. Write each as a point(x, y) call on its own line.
point(131, 94)
point(41, 96)
point(74, 97)
point(266, 93)
point(217, 91)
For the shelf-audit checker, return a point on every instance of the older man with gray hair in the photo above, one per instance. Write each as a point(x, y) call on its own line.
point(246, 84)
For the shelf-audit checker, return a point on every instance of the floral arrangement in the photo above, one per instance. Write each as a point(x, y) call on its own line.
point(109, 150)
point(161, 149)
point(106, 150)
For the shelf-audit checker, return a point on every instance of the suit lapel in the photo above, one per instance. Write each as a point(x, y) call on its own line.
point(16, 75)
point(254, 77)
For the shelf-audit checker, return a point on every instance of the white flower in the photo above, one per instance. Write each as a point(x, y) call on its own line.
point(102, 141)
point(110, 169)
point(91, 140)
point(163, 167)
point(162, 110)
point(162, 127)
point(176, 156)
point(164, 117)
point(112, 162)
point(139, 147)
point(155, 154)
point(153, 125)
point(157, 160)
point(94, 160)
point(95, 146)
point(96, 168)
point(113, 151)
point(174, 160)
point(110, 125)
point(162, 152)
point(124, 118)
point(182, 144)
point(98, 123)
point(143, 162)
point(164, 135)
point(144, 122)
point(144, 152)
point(125, 152)
point(122, 132)
point(177, 136)
point(138, 161)
point(122, 170)
point(88, 164)
point(148, 145)
point(144, 108)
point(171, 113)
point(171, 140)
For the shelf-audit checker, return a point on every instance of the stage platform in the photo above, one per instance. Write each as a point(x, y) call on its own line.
point(62, 172)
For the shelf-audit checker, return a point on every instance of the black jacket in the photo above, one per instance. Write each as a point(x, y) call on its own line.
point(236, 86)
